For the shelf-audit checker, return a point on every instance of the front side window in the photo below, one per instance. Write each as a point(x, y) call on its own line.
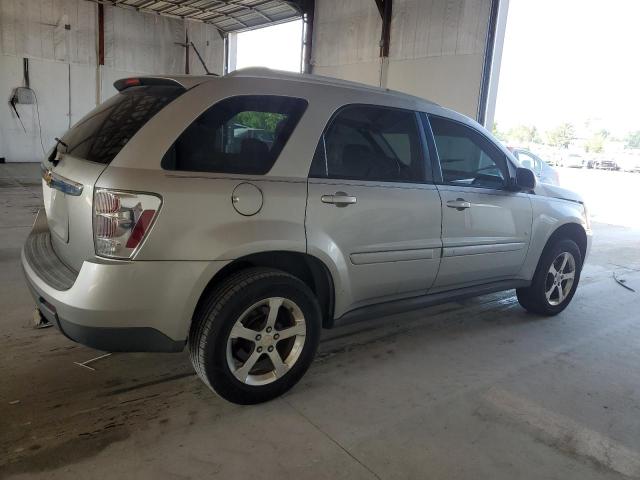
point(243, 134)
point(467, 158)
point(365, 142)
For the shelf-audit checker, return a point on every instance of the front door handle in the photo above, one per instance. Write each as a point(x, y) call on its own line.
point(339, 199)
point(459, 204)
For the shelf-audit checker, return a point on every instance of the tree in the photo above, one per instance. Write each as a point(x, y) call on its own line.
point(633, 139)
point(497, 133)
point(261, 120)
point(524, 134)
point(561, 136)
point(595, 144)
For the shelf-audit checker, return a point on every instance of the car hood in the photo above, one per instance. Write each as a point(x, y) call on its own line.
point(553, 191)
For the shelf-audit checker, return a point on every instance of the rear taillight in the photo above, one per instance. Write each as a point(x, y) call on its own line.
point(121, 220)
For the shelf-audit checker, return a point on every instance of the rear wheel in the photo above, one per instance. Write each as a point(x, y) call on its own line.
point(555, 280)
point(256, 335)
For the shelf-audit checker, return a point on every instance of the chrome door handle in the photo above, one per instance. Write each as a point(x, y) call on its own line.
point(339, 199)
point(459, 204)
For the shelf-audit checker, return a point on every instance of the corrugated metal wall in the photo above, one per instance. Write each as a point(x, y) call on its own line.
point(63, 63)
point(346, 38)
point(437, 47)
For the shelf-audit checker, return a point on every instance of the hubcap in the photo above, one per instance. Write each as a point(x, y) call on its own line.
point(560, 278)
point(266, 341)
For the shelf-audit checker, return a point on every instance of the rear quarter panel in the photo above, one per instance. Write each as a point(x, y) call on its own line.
point(197, 220)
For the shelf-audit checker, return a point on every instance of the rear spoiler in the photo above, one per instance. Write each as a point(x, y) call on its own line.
point(125, 83)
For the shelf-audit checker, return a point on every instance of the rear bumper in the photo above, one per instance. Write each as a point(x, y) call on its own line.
point(141, 306)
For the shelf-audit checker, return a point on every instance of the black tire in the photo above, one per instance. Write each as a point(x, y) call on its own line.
point(533, 298)
point(214, 320)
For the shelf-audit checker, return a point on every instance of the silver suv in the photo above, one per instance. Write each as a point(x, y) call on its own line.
point(242, 214)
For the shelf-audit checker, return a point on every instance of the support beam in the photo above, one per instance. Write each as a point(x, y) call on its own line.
point(488, 63)
point(380, 5)
point(385, 8)
point(225, 62)
point(309, 7)
point(186, 54)
point(100, 34)
point(494, 78)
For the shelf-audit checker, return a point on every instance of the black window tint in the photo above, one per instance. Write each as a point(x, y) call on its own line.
point(370, 143)
point(467, 157)
point(242, 134)
point(102, 133)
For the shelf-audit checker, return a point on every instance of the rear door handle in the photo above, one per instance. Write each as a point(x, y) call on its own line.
point(339, 199)
point(459, 204)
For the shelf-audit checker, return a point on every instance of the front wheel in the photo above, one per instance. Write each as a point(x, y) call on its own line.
point(256, 335)
point(555, 280)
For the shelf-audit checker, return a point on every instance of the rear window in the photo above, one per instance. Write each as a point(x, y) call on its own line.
point(102, 133)
point(243, 134)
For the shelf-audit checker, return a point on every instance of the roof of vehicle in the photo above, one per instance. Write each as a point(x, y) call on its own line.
point(189, 81)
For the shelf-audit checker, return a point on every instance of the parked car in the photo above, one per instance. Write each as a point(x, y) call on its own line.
point(608, 164)
point(573, 160)
point(544, 172)
point(156, 236)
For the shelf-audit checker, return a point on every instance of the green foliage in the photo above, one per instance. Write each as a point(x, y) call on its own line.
point(595, 144)
point(633, 139)
point(561, 136)
point(497, 133)
point(524, 134)
point(263, 120)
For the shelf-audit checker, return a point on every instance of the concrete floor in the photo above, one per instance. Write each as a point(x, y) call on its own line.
point(477, 389)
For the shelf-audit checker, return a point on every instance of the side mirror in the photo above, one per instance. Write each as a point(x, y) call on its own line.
point(525, 179)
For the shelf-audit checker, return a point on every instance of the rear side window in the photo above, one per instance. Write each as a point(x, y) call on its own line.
point(243, 134)
point(103, 132)
point(365, 142)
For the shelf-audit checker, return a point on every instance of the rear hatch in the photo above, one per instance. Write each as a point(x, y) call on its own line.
point(84, 152)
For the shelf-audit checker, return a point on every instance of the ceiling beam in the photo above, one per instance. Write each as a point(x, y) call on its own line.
point(213, 12)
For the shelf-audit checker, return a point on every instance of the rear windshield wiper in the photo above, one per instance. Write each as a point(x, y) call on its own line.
point(52, 157)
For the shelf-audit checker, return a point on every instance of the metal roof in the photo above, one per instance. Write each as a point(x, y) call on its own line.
point(225, 15)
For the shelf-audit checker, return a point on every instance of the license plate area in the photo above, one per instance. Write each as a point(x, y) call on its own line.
point(55, 204)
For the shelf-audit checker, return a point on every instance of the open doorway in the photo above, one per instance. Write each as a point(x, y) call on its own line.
point(568, 94)
point(278, 47)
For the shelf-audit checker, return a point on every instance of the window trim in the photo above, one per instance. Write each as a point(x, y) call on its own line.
point(436, 168)
point(423, 149)
point(432, 141)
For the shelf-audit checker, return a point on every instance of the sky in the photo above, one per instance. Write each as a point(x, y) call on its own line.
point(571, 60)
point(275, 47)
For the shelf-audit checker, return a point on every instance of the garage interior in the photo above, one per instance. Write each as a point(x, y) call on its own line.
point(471, 389)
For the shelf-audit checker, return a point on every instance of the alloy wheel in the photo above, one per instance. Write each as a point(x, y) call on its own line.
point(266, 341)
point(560, 278)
